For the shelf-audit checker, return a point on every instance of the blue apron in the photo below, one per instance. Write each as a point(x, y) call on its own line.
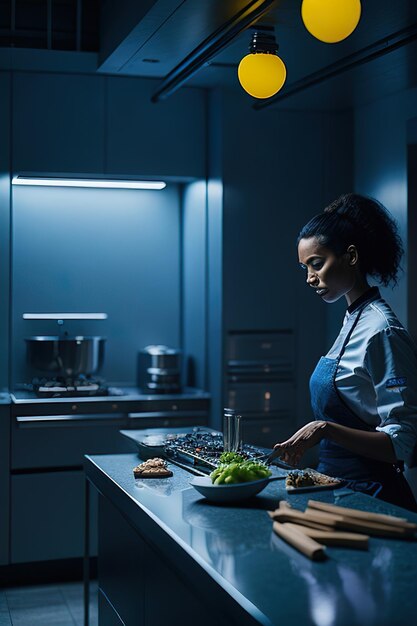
point(370, 476)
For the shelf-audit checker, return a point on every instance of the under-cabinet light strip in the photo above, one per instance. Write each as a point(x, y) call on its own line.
point(96, 183)
point(64, 316)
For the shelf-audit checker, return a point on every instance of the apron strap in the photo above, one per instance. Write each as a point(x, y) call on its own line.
point(349, 334)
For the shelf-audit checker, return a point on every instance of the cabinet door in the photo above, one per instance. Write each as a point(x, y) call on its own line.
point(47, 517)
point(154, 139)
point(57, 442)
point(121, 567)
point(4, 482)
point(5, 122)
point(142, 587)
point(58, 123)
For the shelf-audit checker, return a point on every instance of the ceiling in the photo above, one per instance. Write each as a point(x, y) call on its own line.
point(150, 38)
point(71, 25)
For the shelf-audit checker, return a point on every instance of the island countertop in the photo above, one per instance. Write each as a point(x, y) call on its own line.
point(232, 551)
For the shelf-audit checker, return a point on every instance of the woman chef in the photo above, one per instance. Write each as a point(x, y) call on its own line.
point(364, 391)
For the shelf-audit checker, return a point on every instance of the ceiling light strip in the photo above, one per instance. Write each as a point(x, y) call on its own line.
point(350, 62)
point(87, 182)
point(210, 46)
point(64, 316)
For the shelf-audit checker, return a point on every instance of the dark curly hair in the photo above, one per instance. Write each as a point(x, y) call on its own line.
point(357, 220)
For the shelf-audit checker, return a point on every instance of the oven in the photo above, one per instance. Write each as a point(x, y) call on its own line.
point(260, 383)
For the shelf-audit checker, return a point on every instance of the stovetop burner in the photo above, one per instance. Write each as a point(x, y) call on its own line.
point(69, 387)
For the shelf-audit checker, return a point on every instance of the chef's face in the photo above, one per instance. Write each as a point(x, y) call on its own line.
point(329, 275)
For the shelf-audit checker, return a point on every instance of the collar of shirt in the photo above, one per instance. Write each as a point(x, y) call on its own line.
point(369, 296)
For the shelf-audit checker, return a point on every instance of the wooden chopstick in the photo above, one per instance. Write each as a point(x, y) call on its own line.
point(361, 525)
point(363, 515)
point(314, 550)
point(337, 519)
point(298, 517)
point(326, 524)
point(334, 538)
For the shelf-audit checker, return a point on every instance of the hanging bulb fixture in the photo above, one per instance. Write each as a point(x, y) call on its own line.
point(261, 72)
point(331, 20)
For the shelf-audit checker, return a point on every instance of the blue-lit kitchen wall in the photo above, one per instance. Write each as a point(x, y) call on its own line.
point(95, 250)
point(381, 167)
point(194, 287)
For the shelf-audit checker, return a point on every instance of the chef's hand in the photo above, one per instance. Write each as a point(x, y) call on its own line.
point(291, 450)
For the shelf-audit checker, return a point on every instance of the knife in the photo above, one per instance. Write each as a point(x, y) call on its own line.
point(190, 468)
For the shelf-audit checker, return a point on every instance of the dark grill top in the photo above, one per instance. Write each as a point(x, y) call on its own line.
point(203, 448)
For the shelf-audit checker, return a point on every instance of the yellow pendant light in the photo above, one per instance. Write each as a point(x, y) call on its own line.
point(331, 20)
point(261, 72)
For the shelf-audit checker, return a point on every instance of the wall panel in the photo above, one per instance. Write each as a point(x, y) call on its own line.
point(164, 139)
point(381, 167)
point(58, 122)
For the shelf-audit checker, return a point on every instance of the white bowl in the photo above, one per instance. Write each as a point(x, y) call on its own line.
point(230, 493)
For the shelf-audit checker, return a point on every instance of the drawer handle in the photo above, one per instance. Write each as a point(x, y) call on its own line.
point(50, 419)
point(162, 414)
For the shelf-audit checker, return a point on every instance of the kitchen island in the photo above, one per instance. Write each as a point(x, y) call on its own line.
point(168, 556)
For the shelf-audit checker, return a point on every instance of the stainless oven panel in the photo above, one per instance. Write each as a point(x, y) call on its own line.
point(261, 431)
point(267, 397)
point(274, 346)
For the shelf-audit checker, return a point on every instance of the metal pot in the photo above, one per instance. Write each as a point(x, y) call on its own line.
point(159, 370)
point(66, 356)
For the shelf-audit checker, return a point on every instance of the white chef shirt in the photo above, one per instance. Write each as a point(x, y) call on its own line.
point(377, 373)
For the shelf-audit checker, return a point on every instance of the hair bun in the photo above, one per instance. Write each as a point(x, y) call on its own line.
point(357, 220)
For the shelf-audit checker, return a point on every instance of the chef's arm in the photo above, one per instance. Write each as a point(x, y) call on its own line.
point(374, 445)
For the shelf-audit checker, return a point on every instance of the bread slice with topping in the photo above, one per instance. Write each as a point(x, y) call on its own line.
point(152, 468)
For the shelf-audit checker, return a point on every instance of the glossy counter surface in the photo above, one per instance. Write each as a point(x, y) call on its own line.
point(235, 547)
point(124, 394)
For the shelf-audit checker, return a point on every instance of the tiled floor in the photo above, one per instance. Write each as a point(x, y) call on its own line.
point(47, 605)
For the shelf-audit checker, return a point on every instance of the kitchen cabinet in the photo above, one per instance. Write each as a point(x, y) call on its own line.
point(47, 518)
point(49, 438)
point(47, 486)
point(58, 123)
point(4, 479)
point(94, 124)
point(134, 575)
point(164, 139)
point(5, 121)
point(269, 173)
point(50, 441)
